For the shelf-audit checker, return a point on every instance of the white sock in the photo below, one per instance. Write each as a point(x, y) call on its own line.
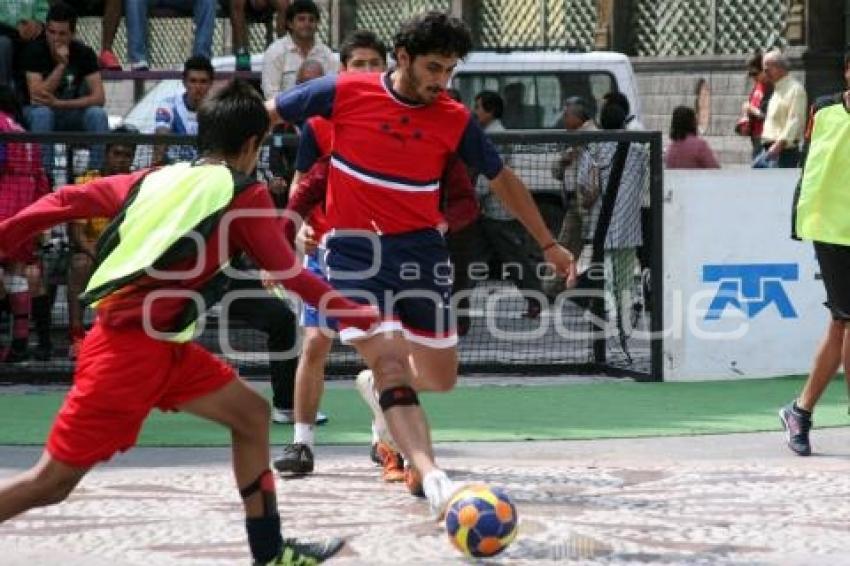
point(375, 436)
point(303, 434)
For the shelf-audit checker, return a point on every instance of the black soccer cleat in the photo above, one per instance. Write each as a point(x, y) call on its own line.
point(296, 553)
point(797, 428)
point(297, 459)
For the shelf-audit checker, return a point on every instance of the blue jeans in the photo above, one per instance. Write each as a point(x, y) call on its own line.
point(44, 119)
point(136, 17)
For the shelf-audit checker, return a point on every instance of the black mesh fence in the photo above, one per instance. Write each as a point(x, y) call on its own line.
point(599, 192)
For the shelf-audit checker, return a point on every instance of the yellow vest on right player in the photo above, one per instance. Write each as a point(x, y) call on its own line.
point(823, 209)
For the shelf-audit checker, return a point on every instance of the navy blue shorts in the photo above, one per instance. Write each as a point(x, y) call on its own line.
point(407, 276)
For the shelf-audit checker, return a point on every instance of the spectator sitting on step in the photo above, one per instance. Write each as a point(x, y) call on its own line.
point(284, 57)
point(64, 88)
point(136, 14)
point(177, 114)
point(257, 9)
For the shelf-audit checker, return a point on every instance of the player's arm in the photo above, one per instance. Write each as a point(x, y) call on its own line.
point(313, 98)
point(262, 239)
point(477, 150)
point(308, 150)
point(100, 197)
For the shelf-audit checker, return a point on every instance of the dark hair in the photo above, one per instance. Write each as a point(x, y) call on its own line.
point(433, 32)
point(491, 102)
point(61, 12)
point(619, 99)
point(612, 117)
point(683, 122)
point(198, 63)
point(10, 103)
point(754, 64)
point(361, 39)
point(300, 7)
point(231, 116)
point(124, 129)
point(577, 106)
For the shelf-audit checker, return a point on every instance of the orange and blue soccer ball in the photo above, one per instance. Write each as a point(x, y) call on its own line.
point(481, 521)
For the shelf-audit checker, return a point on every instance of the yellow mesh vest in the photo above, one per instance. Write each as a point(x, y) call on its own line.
point(823, 209)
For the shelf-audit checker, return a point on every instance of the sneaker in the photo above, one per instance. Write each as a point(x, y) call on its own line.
point(140, 66)
point(283, 416)
point(797, 427)
point(373, 454)
point(296, 553)
point(321, 418)
point(108, 60)
point(297, 459)
point(391, 462)
point(243, 60)
point(413, 481)
point(439, 489)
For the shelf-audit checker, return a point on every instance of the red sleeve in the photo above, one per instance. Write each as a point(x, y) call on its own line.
point(261, 236)
point(308, 193)
point(100, 197)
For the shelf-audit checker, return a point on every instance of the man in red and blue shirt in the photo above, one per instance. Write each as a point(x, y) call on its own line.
point(392, 136)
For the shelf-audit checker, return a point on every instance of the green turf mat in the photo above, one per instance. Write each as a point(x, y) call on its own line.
point(499, 413)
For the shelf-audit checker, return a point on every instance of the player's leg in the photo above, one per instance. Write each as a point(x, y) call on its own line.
point(246, 413)
point(297, 457)
point(796, 417)
point(47, 483)
point(386, 355)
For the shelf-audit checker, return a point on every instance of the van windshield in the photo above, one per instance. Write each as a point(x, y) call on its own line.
point(535, 100)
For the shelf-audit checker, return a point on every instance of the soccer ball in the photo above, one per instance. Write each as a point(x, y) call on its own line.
point(481, 521)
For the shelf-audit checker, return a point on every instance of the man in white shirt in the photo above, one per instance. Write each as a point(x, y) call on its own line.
point(284, 57)
point(785, 119)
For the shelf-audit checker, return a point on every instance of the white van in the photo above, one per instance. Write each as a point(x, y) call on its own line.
point(535, 84)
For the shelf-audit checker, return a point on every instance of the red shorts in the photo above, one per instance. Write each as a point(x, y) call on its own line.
point(121, 375)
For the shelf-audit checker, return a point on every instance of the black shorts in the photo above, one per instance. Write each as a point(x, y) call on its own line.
point(834, 261)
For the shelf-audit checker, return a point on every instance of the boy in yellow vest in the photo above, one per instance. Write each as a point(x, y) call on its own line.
point(822, 215)
point(159, 263)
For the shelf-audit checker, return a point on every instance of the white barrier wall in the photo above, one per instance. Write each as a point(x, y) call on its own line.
point(741, 298)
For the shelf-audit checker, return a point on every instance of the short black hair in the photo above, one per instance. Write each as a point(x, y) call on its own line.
point(124, 129)
point(198, 63)
point(433, 32)
point(612, 117)
point(231, 116)
point(61, 12)
point(361, 39)
point(683, 122)
point(491, 102)
point(618, 98)
point(301, 6)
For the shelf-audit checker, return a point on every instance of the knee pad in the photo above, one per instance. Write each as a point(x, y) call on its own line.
point(265, 485)
point(397, 396)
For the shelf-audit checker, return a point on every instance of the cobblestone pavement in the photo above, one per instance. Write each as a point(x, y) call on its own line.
point(733, 499)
